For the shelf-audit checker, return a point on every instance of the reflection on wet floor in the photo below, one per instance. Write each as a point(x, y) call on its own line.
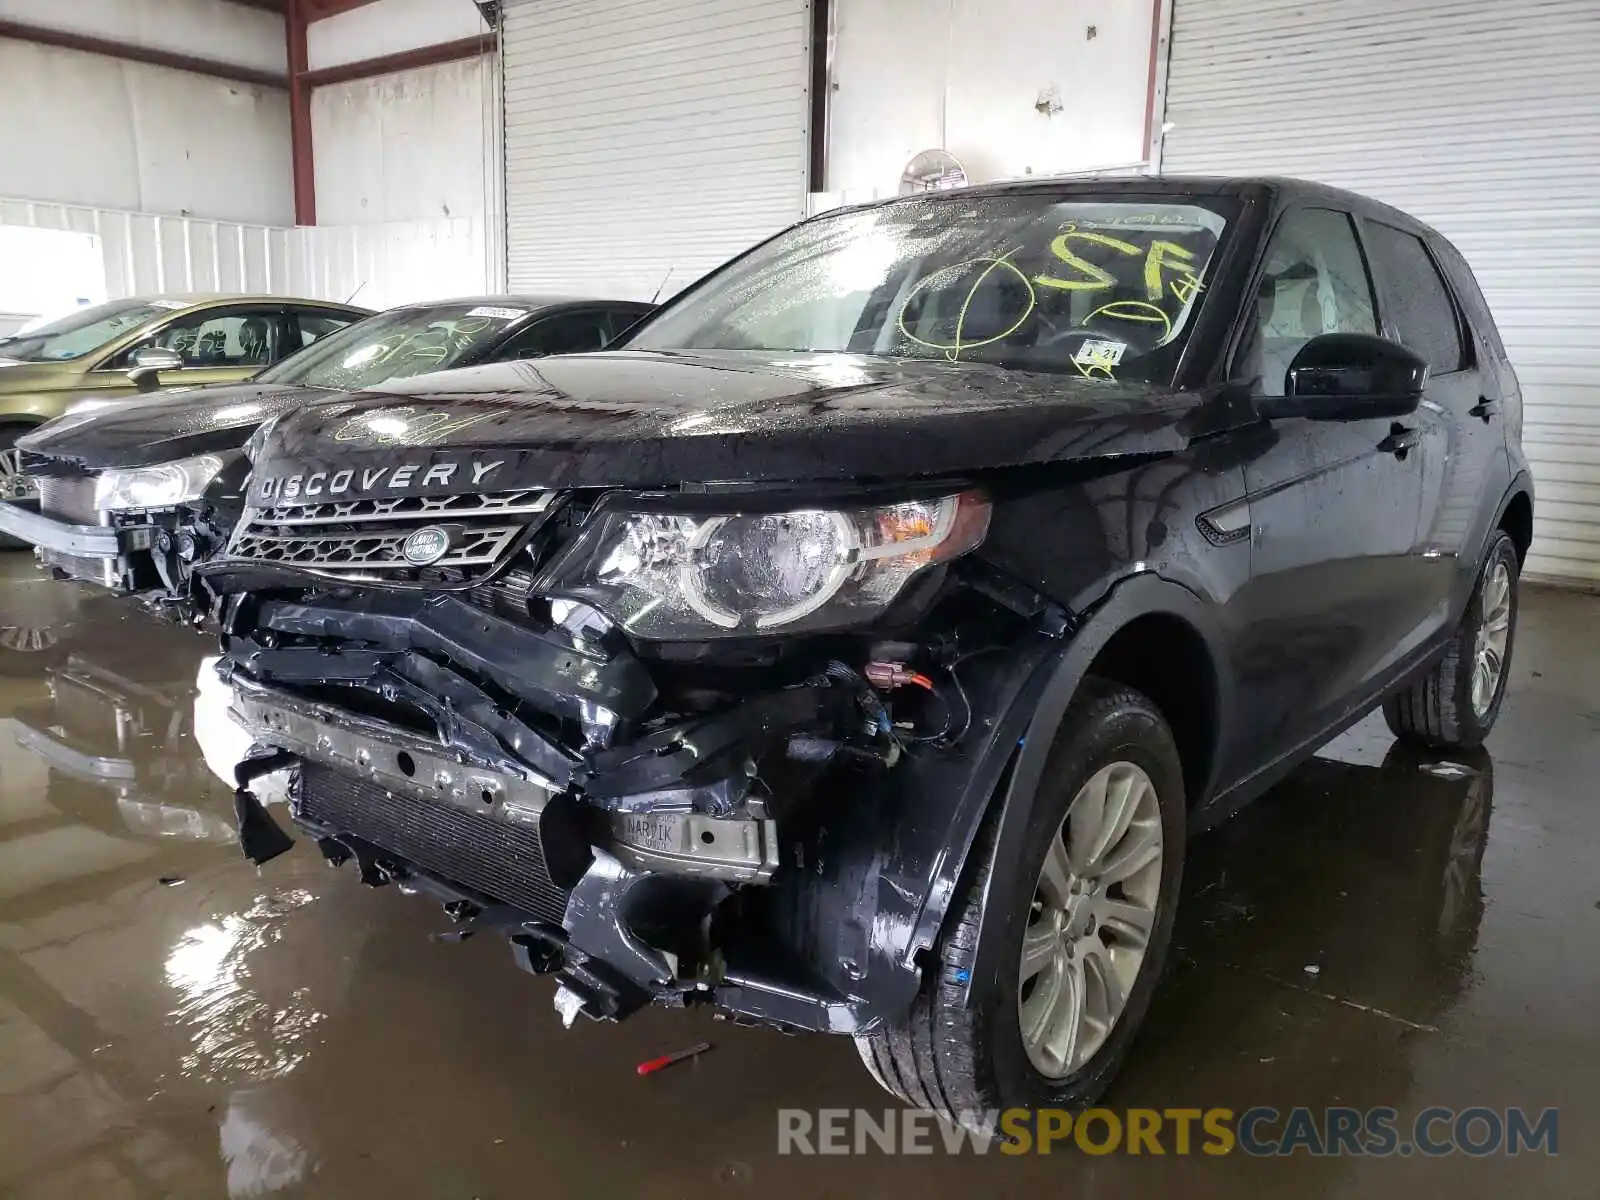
point(1384, 929)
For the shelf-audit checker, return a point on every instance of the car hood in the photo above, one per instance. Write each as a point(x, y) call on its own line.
point(173, 423)
point(651, 419)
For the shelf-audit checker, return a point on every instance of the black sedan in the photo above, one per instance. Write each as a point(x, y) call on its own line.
point(121, 482)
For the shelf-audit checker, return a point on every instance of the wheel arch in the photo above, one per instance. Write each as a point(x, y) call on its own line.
point(1516, 518)
point(1148, 630)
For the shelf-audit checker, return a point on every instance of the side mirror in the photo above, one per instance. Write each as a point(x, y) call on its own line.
point(1351, 376)
point(149, 362)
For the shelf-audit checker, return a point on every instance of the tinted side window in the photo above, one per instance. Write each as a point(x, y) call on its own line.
point(568, 333)
point(314, 325)
point(624, 319)
point(1420, 304)
point(1314, 282)
point(237, 337)
point(1467, 289)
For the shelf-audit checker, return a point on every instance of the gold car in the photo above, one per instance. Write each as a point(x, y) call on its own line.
point(132, 345)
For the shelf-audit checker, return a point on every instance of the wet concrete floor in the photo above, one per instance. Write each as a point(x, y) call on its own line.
point(174, 1023)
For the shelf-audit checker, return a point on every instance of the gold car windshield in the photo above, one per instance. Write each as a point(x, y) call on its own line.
point(84, 331)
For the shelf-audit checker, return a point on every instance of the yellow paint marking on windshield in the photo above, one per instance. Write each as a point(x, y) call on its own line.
point(1135, 310)
point(1098, 278)
point(1171, 256)
point(952, 350)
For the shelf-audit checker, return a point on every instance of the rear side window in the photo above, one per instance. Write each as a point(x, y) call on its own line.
point(314, 325)
point(1466, 285)
point(1418, 299)
point(564, 333)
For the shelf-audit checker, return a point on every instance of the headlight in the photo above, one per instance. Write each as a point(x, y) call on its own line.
point(156, 487)
point(674, 575)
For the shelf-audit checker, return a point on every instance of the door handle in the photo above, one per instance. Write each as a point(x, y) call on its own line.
point(1484, 408)
point(1400, 439)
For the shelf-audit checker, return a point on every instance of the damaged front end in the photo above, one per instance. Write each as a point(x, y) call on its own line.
point(139, 531)
point(677, 752)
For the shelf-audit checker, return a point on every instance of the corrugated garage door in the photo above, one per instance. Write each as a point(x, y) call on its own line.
point(1482, 117)
point(649, 136)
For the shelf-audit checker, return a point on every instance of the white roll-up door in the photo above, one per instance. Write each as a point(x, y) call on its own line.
point(648, 138)
point(1481, 117)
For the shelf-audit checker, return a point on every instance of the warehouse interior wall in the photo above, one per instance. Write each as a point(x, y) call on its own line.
point(405, 163)
point(114, 134)
point(389, 27)
point(1010, 87)
point(404, 147)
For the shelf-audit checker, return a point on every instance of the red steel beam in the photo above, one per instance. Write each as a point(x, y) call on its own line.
point(316, 10)
point(64, 40)
point(405, 60)
point(302, 162)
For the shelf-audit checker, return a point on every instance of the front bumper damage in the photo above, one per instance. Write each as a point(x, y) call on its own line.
point(94, 553)
point(152, 551)
point(772, 854)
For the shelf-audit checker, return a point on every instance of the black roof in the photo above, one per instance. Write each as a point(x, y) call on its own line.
point(1261, 186)
point(521, 301)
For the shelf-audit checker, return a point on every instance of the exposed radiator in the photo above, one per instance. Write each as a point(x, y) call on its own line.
point(68, 498)
point(503, 861)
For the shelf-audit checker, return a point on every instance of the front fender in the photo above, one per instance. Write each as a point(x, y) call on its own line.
point(879, 879)
point(1137, 596)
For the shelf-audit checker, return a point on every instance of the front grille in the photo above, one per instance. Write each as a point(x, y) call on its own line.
point(369, 536)
point(500, 860)
point(67, 498)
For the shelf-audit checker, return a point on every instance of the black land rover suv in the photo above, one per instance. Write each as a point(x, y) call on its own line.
point(853, 648)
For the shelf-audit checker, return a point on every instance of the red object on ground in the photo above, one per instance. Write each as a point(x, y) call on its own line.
point(652, 1065)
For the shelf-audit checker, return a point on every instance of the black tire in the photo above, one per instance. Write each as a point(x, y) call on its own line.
point(953, 1055)
point(1435, 709)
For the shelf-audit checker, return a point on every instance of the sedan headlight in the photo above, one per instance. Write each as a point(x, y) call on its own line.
point(160, 486)
point(674, 575)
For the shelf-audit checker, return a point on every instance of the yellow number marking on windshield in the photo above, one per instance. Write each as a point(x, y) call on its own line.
point(952, 350)
point(1098, 278)
point(1175, 258)
point(1135, 310)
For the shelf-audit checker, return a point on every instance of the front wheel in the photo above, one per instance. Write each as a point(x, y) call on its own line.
point(1455, 704)
point(1084, 921)
point(15, 488)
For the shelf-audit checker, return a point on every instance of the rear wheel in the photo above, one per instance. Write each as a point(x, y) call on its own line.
point(1455, 704)
point(1082, 930)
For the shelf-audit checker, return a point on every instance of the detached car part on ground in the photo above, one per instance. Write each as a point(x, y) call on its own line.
point(132, 494)
point(854, 649)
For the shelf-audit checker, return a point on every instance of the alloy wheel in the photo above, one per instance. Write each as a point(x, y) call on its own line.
point(14, 485)
point(1093, 910)
point(1494, 634)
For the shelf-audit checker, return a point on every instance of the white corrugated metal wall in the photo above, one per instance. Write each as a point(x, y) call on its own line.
point(1482, 117)
point(648, 137)
point(380, 264)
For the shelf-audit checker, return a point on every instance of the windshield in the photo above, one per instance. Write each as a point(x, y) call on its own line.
point(86, 330)
point(1100, 287)
point(394, 345)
